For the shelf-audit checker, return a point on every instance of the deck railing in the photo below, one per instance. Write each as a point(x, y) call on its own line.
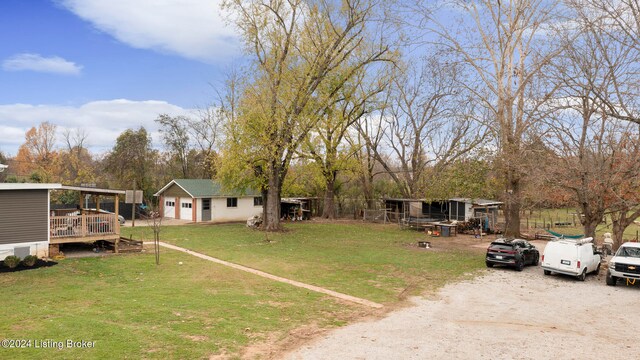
point(82, 225)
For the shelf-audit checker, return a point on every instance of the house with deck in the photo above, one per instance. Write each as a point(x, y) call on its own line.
point(28, 226)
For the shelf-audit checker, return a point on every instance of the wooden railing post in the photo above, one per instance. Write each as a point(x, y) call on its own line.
point(83, 223)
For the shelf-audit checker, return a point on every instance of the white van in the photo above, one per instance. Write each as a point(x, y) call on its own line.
point(571, 257)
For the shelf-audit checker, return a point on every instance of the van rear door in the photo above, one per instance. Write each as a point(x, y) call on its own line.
point(561, 256)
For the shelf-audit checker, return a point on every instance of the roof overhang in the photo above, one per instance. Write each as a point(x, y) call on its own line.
point(29, 186)
point(291, 201)
point(478, 202)
point(404, 200)
point(93, 191)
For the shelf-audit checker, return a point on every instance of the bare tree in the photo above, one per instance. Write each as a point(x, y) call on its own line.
point(176, 138)
point(207, 132)
point(619, 22)
point(364, 142)
point(428, 123)
point(499, 43)
point(75, 162)
point(594, 148)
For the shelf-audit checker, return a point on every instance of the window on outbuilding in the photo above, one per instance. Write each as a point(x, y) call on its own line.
point(232, 202)
point(257, 201)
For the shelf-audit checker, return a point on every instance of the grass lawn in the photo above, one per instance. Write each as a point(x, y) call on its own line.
point(543, 217)
point(376, 262)
point(132, 308)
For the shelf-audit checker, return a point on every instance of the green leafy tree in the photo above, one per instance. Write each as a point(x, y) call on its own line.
point(326, 143)
point(131, 160)
point(295, 47)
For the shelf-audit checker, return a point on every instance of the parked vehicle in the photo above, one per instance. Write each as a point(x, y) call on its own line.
point(625, 264)
point(120, 217)
point(512, 252)
point(571, 257)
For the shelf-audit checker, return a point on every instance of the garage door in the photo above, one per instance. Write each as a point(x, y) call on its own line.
point(185, 209)
point(170, 207)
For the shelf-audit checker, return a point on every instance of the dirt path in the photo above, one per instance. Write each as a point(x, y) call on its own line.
point(274, 277)
point(504, 314)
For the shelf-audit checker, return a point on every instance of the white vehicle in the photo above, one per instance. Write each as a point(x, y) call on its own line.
point(571, 257)
point(625, 264)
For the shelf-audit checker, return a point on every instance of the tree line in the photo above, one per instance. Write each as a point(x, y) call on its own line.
point(532, 102)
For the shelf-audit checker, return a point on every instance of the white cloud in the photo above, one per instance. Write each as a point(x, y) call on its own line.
point(103, 121)
point(191, 28)
point(36, 62)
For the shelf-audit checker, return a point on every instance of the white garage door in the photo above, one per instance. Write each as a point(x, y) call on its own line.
point(170, 207)
point(185, 209)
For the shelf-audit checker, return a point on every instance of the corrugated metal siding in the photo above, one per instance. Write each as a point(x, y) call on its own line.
point(23, 216)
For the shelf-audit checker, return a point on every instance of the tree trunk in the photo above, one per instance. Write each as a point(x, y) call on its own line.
point(271, 221)
point(620, 221)
point(329, 208)
point(618, 228)
point(590, 225)
point(512, 206)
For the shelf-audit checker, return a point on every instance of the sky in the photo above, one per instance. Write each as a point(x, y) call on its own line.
point(107, 65)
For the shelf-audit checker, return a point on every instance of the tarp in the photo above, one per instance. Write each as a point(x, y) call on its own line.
point(562, 236)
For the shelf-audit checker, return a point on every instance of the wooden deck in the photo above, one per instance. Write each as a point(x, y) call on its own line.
point(83, 228)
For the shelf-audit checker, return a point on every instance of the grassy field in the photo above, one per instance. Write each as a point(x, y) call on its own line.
point(540, 218)
point(132, 308)
point(375, 262)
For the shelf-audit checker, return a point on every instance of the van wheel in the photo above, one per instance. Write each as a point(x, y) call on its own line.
point(547, 272)
point(597, 269)
point(611, 280)
point(583, 276)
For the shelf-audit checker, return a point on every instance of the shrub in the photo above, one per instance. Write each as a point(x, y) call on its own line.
point(30, 260)
point(12, 261)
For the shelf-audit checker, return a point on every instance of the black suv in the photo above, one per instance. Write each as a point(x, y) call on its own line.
point(516, 252)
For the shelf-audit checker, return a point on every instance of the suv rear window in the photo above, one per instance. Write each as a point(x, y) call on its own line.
point(501, 246)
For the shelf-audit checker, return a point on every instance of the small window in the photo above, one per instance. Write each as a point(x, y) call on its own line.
point(170, 203)
point(257, 201)
point(232, 202)
point(186, 205)
point(206, 204)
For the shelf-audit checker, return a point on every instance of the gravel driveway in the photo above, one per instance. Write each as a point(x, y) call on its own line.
point(504, 314)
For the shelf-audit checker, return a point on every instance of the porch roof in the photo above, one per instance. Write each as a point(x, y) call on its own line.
point(91, 190)
point(28, 186)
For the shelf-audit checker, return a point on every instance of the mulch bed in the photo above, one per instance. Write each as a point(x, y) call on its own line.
point(39, 264)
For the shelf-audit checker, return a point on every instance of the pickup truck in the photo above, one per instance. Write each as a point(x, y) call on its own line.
point(625, 264)
point(571, 257)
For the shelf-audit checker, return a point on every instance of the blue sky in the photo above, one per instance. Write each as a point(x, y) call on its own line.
point(107, 65)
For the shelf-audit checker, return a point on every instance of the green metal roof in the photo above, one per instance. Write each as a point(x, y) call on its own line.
point(201, 188)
